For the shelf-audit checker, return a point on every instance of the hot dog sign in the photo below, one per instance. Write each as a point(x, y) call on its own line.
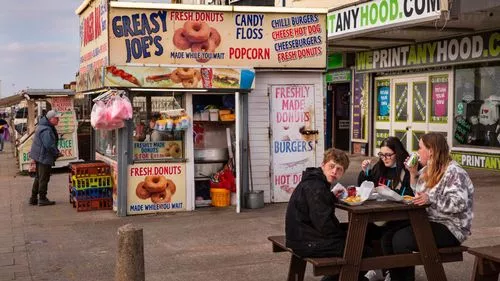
point(229, 38)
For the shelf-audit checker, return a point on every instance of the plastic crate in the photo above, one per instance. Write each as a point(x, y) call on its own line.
point(89, 169)
point(91, 193)
point(93, 204)
point(92, 182)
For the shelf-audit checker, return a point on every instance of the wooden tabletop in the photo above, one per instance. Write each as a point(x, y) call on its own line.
point(371, 206)
point(490, 252)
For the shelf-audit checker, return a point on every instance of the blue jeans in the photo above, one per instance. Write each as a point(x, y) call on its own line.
point(1, 141)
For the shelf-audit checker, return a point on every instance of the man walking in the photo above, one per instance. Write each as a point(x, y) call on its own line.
point(44, 151)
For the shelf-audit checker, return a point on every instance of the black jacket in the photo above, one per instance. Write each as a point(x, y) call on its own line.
point(312, 230)
point(376, 176)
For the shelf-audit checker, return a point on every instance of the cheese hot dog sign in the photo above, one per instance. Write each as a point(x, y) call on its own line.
point(228, 38)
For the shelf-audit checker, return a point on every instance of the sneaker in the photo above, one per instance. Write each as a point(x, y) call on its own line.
point(45, 202)
point(388, 277)
point(375, 275)
point(33, 201)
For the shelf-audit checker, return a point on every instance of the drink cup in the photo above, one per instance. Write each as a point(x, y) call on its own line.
point(412, 160)
point(247, 77)
point(351, 191)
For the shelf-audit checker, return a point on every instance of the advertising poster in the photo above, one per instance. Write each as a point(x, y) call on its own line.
point(477, 160)
point(179, 77)
point(93, 45)
point(380, 135)
point(401, 97)
point(114, 175)
point(439, 104)
point(419, 101)
point(157, 150)
point(155, 188)
point(293, 138)
point(360, 107)
point(228, 38)
point(383, 100)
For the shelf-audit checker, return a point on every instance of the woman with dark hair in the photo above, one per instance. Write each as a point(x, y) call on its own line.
point(390, 169)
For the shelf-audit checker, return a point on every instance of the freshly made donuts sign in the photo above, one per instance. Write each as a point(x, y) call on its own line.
point(144, 36)
point(156, 188)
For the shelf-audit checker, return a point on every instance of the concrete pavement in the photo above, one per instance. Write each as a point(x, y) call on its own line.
point(56, 243)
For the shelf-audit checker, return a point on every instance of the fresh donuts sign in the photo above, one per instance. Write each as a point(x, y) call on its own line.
point(230, 38)
point(156, 188)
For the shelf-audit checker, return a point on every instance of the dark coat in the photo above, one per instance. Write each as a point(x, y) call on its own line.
point(377, 176)
point(312, 229)
point(44, 148)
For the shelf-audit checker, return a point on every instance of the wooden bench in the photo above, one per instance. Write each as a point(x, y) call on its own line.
point(332, 266)
point(486, 264)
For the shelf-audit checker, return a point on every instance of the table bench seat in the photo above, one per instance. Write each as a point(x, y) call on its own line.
point(486, 264)
point(332, 266)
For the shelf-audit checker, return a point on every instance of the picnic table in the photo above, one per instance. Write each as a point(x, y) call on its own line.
point(372, 211)
point(352, 262)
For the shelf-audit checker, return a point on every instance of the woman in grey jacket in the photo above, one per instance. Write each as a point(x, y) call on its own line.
point(444, 185)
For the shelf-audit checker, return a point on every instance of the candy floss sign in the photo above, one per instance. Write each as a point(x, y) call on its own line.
point(293, 149)
point(229, 38)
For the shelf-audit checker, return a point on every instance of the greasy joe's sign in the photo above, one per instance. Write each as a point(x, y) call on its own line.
point(464, 49)
point(229, 38)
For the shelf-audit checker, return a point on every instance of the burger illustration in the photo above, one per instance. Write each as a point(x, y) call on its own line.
point(226, 78)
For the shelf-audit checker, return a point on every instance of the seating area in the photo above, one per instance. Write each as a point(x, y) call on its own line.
point(333, 266)
point(486, 264)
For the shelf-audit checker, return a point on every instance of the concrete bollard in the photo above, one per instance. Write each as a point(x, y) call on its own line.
point(130, 258)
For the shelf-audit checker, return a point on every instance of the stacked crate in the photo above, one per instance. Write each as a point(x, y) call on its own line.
point(90, 186)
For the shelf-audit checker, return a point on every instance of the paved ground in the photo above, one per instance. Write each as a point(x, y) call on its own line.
point(57, 243)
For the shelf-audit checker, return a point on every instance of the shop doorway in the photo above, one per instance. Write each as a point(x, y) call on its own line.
point(409, 106)
point(339, 96)
point(293, 140)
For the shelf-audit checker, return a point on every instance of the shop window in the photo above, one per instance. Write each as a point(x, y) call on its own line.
point(401, 96)
point(159, 125)
point(477, 107)
point(105, 142)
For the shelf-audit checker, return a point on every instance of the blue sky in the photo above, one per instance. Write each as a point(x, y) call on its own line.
point(39, 44)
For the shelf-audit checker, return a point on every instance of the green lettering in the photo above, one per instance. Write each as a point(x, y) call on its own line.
point(421, 53)
point(360, 60)
point(489, 163)
point(364, 16)
point(369, 60)
point(373, 14)
point(412, 57)
point(384, 11)
point(394, 9)
point(494, 44)
point(331, 23)
point(431, 48)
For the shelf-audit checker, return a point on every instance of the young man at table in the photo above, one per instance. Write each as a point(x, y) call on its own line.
point(312, 229)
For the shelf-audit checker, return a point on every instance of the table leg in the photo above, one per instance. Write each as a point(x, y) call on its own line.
point(484, 270)
point(354, 247)
point(297, 269)
point(426, 245)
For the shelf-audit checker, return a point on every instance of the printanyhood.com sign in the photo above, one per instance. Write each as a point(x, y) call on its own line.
point(465, 49)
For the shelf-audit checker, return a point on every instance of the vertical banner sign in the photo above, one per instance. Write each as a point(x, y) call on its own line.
point(439, 104)
point(155, 188)
point(419, 101)
point(383, 100)
point(401, 97)
point(68, 139)
point(360, 107)
point(293, 149)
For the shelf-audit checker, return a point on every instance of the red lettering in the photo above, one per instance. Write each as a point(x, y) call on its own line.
point(250, 53)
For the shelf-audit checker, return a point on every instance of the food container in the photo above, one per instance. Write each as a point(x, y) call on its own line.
point(202, 170)
point(211, 154)
point(214, 114)
point(205, 115)
point(228, 117)
point(197, 116)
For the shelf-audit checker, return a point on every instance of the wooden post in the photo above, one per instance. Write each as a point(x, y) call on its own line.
point(31, 116)
point(130, 258)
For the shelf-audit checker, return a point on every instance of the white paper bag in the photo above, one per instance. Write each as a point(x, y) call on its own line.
point(389, 194)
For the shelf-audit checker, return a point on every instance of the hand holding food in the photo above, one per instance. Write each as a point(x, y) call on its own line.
point(338, 190)
point(422, 198)
point(365, 164)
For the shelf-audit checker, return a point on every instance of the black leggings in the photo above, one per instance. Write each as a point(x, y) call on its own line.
point(403, 242)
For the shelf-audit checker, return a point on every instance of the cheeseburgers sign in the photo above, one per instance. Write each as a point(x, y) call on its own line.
point(225, 37)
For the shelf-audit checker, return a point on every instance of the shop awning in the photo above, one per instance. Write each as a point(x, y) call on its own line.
point(11, 100)
point(451, 21)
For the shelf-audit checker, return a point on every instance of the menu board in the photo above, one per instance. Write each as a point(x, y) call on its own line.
point(67, 120)
point(228, 38)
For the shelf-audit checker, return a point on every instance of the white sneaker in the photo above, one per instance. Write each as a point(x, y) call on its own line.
point(388, 277)
point(375, 275)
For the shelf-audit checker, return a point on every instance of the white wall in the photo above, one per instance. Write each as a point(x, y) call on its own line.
point(259, 121)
